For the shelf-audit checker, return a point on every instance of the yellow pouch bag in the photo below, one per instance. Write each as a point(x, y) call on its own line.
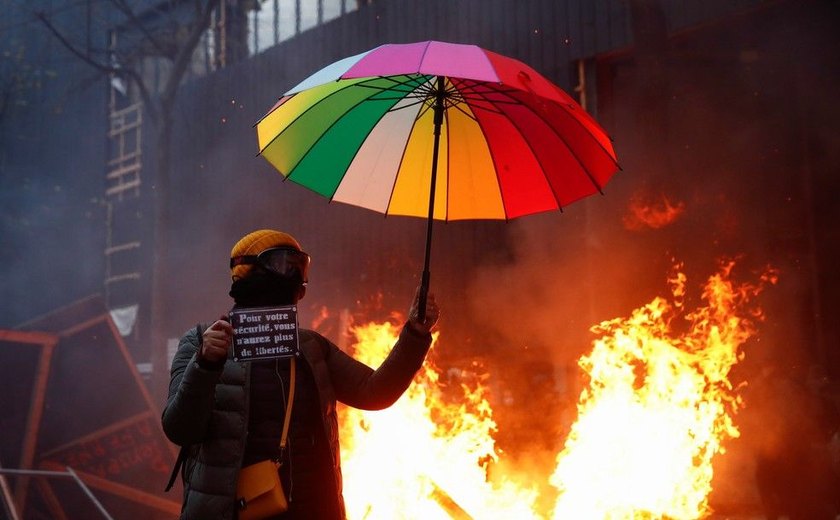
point(259, 491)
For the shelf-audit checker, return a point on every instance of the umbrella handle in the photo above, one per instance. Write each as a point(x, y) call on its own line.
point(422, 297)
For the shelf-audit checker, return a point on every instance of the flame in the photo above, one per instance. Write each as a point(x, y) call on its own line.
point(659, 406)
point(654, 212)
point(424, 457)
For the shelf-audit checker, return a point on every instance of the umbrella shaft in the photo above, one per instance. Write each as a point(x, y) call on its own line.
point(438, 113)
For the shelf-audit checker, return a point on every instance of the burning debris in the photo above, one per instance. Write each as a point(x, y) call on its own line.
point(658, 408)
point(425, 457)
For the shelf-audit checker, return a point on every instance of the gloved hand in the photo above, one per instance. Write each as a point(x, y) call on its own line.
point(432, 313)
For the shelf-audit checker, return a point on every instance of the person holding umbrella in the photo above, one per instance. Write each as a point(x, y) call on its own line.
point(228, 415)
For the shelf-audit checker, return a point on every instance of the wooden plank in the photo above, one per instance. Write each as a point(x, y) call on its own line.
point(122, 491)
point(52, 501)
point(35, 338)
point(144, 391)
point(64, 317)
point(74, 329)
point(113, 427)
point(33, 423)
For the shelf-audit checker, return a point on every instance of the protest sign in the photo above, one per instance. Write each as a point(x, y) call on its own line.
point(264, 333)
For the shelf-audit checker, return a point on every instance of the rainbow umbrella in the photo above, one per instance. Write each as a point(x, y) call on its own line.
point(439, 130)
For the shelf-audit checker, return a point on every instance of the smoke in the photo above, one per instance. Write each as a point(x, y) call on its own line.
point(541, 297)
point(52, 225)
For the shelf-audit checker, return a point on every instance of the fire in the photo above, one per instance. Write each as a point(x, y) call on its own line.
point(423, 457)
point(658, 408)
point(654, 212)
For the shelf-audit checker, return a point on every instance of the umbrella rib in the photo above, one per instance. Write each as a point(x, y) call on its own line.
point(358, 149)
point(420, 89)
point(458, 107)
point(472, 88)
point(589, 175)
point(475, 86)
point(598, 142)
point(321, 136)
point(409, 105)
point(410, 81)
point(399, 167)
point(455, 100)
point(568, 147)
point(565, 107)
point(554, 193)
point(478, 96)
point(276, 106)
point(420, 113)
point(495, 166)
point(310, 107)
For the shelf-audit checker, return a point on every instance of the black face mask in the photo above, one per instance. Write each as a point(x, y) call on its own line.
point(263, 289)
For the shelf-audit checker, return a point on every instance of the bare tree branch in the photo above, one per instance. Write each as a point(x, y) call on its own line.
point(185, 51)
point(103, 67)
point(129, 13)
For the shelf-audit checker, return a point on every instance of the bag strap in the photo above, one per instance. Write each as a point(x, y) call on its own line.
point(287, 420)
point(182, 456)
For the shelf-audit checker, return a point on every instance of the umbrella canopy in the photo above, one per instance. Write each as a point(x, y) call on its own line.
point(362, 131)
point(442, 130)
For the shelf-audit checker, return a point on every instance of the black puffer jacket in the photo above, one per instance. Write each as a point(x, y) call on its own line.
point(207, 410)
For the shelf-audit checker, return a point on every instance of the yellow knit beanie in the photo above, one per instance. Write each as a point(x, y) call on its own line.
point(255, 243)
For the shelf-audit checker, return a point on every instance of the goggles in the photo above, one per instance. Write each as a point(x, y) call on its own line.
point(284, 261)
